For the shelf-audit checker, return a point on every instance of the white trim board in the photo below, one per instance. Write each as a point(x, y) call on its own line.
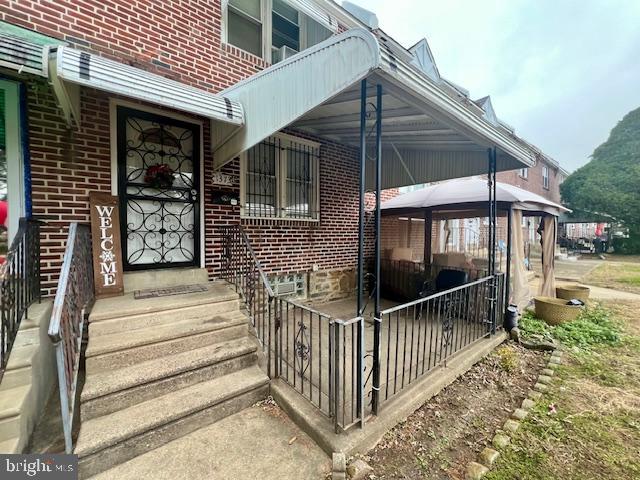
point(15, 156)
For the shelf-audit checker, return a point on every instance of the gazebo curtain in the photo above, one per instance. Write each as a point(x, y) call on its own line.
point(548, 285)
point(521, 293)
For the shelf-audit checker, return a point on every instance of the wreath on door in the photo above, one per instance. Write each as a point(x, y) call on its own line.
point(160, 176)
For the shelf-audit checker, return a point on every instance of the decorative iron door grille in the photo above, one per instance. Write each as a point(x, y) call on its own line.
point(159, 190)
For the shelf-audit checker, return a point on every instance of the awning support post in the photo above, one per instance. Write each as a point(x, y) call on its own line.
point(428, 233)
point(360, 280)
point(507, 286)
point(491, 182)
point(377, 325)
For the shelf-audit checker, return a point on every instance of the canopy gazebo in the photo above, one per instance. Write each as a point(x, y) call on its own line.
point(468, 198)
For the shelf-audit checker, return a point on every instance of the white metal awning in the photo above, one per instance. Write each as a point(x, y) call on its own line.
point(428, 134)
point(70, 68)
point(310, 9)
point(22, 55)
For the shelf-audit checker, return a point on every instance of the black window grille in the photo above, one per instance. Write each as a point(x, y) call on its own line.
point(281, 180)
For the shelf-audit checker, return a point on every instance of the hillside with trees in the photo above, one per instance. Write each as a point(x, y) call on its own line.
point(610, 182)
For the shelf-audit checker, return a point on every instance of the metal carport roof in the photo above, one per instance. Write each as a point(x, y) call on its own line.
point(428, 134)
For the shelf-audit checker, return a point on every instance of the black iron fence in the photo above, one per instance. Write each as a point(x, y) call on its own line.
point(424, 333)
point(326, 359)
point(318, 356)
point(71, 306)
point(19, 284)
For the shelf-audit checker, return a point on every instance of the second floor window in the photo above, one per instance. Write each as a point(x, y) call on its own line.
point(524, 173)
point(271, 29)
point(280, 179)
point(545, 177)
point(244, 25)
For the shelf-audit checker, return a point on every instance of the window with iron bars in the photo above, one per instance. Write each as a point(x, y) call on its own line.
point(280, 179)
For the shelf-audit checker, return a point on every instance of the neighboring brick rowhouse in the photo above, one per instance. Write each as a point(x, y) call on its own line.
point(534, 182)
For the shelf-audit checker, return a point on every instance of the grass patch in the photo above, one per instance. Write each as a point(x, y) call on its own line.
point(594, 430)
point(594, 326)
point(619, 275)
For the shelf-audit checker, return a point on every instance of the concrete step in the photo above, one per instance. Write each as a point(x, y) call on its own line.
point(164, 277)
point(126, 305)
point(11, 404)
point(116, 350)
point(113, 439)
point(16, 377)
point(28, 336)
point(10, 446)
point(22, 356)
point(114, 390)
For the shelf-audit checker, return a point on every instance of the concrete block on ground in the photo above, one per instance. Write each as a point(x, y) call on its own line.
point(475, 471)
point(511, 426)
point(544, 379)
point(500, 440)
point(519, 414)
point(540, 387)
point(527, 403)
point(534, 395)
point(488, 456)
point(359, 470)
point(548, 372)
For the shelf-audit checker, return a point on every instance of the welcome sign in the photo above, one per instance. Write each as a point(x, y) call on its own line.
point(107, 252)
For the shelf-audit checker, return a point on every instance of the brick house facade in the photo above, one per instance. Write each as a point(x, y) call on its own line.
point(182, 42)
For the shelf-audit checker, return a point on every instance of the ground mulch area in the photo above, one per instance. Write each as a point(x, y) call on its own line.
point(438, 440)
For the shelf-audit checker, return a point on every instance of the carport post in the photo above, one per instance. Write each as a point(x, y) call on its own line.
point(491, 182)
point(377, 326)
point(363, 157)
point(428, 232)
point(507, 285)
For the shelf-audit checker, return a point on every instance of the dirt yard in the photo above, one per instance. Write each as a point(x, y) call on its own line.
point(438, 440)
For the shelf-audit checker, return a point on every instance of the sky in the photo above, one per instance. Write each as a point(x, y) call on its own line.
point(562, 72)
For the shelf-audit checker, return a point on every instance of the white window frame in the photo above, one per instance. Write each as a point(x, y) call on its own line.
point(266, 8)
point(281, 181)
point(545, 177)
point(524, 173)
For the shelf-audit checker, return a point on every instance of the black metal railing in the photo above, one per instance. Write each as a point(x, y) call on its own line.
point(19, 284)
point(424, 333)
point(324, 359)
point(313, 353)
point(73, 301)
point(241, 268)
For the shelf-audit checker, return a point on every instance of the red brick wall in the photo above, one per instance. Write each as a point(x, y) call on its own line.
point(533, 182)
point(179, 39)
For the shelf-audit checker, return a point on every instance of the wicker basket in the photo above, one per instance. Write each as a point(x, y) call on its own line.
point(569, 292)
point(555, 311)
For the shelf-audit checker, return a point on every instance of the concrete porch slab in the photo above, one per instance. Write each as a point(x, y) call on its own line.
point(258, 443)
